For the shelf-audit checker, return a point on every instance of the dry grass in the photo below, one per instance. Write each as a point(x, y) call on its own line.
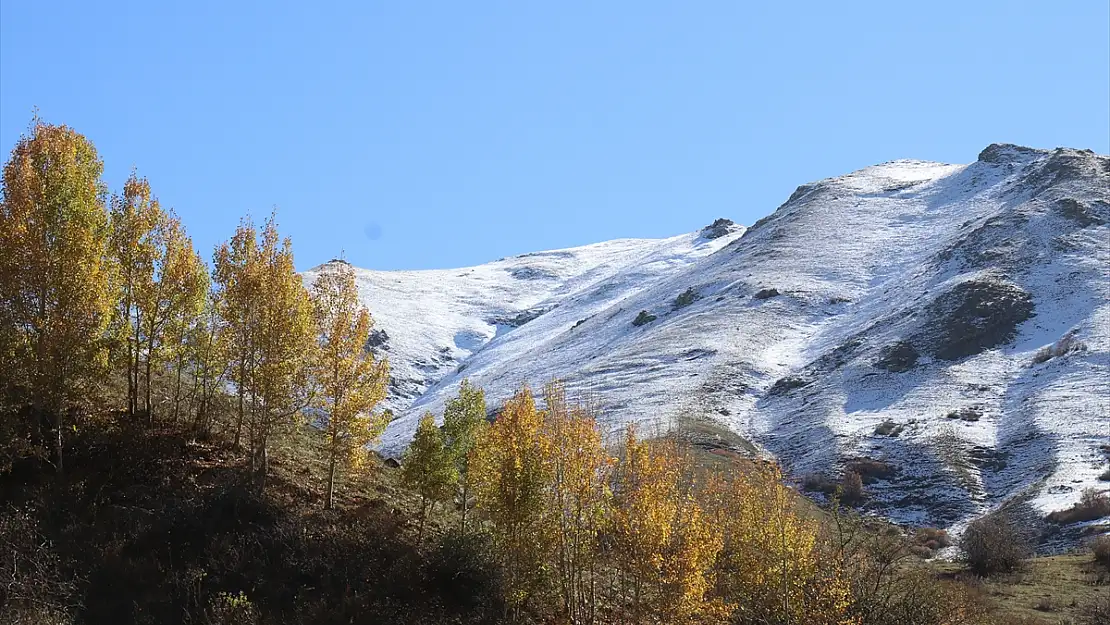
point(1063, 583)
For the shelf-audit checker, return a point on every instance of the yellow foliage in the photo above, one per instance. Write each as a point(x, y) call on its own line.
point(770, 568)
point(350, 381)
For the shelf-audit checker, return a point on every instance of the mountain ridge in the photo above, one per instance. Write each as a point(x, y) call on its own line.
point(903, 292)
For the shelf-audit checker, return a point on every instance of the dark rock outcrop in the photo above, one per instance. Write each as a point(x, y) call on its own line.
point(718, 228)
point(974, 316)
point(898, 357)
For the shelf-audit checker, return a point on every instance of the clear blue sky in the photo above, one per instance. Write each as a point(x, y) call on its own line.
point(420, 134)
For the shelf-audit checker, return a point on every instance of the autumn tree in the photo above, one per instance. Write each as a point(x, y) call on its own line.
point(578, 501)
point(464, 418)
point(54, 279)
point(207, 357)
point(136, 221)
point(428, 466)
point(169, 304)
point(237, 275)
point(269, 317)
point(771, 567)
point(350, 381)
point(186, 289)
point(510, 478)
point(663, 545)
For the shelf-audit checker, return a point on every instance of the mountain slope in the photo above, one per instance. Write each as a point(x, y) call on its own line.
point(911, 294)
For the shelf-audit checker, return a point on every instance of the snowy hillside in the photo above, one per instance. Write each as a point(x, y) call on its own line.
point(892, 314)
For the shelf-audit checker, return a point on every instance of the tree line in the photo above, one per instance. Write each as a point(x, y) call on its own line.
point(105, 302)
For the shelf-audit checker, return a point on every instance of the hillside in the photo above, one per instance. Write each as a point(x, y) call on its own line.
point(892, 314)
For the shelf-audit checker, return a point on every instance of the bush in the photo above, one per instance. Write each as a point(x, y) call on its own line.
point(689, 296)
point(851, 488)
point(1105, 477)
point(995, 543)
point(870, 469)
point(643, 318)
point(927, 541)
point(818, 483)
point(1092, 505)
point(1100, 548)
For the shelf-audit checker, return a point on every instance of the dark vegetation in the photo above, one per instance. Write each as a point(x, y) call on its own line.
point(684, 299)
point(996, 543)
point(643, 318)
point(152, 527)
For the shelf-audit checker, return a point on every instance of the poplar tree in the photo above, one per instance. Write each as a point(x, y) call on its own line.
point(208, 360)
point(464, 419)
point(578, 501)
point(511, 478)
point(350, 382)
point(663, 545)
point(428, 467)
point(237, 275)
point(187, 286)
point(272, 336)
point(54, 279)
point(285, 340)
point(136, 220)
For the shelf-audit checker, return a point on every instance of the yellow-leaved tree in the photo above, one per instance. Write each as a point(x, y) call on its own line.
point(136, 222)
point(269, 314)
point(185, 288)
point(350, 383)
point(663, 546)
point(55, 283)
point(578, 502)
point(510, 479)
point(238, 275)
point(771, 568)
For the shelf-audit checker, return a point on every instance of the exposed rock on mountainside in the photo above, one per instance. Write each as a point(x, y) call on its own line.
point(900, 294)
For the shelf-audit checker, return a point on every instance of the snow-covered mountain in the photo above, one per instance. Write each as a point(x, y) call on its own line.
point(900, 313)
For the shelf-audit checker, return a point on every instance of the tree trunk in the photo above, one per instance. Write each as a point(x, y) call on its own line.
point(331, 482)
point(58, 447)
point(150, 412)
point(239, 421)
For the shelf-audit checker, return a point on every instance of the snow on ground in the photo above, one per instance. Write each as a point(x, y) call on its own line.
point(788, 340)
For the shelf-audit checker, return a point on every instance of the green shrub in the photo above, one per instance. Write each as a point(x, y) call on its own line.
point(643, 318)
point(687, 297)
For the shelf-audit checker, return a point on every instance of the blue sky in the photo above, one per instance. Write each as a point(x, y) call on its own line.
point(436, 134)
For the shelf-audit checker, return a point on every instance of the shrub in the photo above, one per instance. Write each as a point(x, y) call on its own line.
point(818, 483)
point(1100, 548)
point(994, 543)
point(851, 488)
point(1105, 477)
point(687, 297)
point(643, 318)
point(929, 540)
point(1091, 505)
point(870, 469)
